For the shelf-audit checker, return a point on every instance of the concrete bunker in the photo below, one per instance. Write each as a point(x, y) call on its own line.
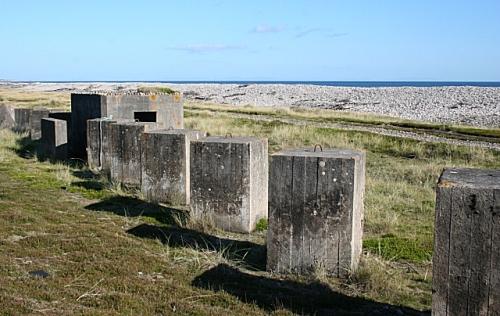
point(167, 110)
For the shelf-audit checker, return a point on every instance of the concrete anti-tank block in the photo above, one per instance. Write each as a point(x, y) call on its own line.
point(37, 114)
point(229, 178)
point(65, 116)
point(7, 119)
point(466, 259)
point(125, 152)
point(165, 165)
point(315, 211)
point(98, 144)
point(23, 119)
point(54, 141)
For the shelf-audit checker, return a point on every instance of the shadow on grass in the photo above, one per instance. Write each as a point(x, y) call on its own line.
point(90, 184)
point(250, 254)
point(134, 207)
point(27, 148)
point(85, 175)
point(300, 298)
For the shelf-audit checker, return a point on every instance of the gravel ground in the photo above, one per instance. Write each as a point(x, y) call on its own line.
point(462, 105)
point(475, 106)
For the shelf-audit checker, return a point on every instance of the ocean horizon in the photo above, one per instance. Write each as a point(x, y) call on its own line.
point(359, 84)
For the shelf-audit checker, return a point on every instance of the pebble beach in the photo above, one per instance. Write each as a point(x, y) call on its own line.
point(476, 106)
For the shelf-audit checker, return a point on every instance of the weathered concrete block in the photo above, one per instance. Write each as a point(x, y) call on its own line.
point(466, 260)
point(165, 109)
point(165, 165)
point(61, 115)
point(7, 119)
point(98, 144)
point(315, 211)
point(37, 114)
point(229, 178)
point(23, 119)
point(125, 151)
point(65, 116)
point(54, 140)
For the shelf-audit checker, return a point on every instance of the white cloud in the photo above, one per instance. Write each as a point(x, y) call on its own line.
point(264, 28)
point(205, 48)
point(324, 31)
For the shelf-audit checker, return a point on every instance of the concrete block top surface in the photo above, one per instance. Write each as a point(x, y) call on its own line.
point(50, 119)
point(118, 96)
point(326, 153)
point(470, 178)
point(173, 131)
point(128, 123)
point(231, 140)
point(106, 119)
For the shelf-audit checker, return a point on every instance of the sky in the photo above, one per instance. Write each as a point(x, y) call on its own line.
point(384, 40)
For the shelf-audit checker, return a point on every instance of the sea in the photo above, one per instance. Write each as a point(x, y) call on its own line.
point(363, 84)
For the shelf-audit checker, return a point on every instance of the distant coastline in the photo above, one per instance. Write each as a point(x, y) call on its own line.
point(351, 84)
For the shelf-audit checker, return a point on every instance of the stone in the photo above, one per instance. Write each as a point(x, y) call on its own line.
point(125, 152)
point(466, 260)
point(23, 119)
point(164, 109)
point(165, 165)
point(7, 119)
point(315, 211)
point(229, 178)
point(98, 144)
point(54, 140)
point(37, 114)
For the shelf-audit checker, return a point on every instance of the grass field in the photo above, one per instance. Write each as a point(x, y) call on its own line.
point(108, 252)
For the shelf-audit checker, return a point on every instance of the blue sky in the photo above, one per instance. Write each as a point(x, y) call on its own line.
point(250, 40)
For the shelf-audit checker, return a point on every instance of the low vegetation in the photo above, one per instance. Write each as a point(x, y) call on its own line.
point(74, 243)
point(154, 89)
point(357, 119)
point(17, 97)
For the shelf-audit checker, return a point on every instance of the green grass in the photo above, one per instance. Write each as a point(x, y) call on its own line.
point(328, 116)
point(394, 248)
point(261, 225)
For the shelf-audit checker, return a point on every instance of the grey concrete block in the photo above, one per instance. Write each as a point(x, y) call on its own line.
point(98, 144)
point(229, 178)
point(23, 119)
point(466, 260)
point(54, 141)
point(37, 114)
point(165, 109)
point(7, 119)
point(60, 115)
point(315, 211)
point(125, 152)
point(65, 116)
point(165, 165)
